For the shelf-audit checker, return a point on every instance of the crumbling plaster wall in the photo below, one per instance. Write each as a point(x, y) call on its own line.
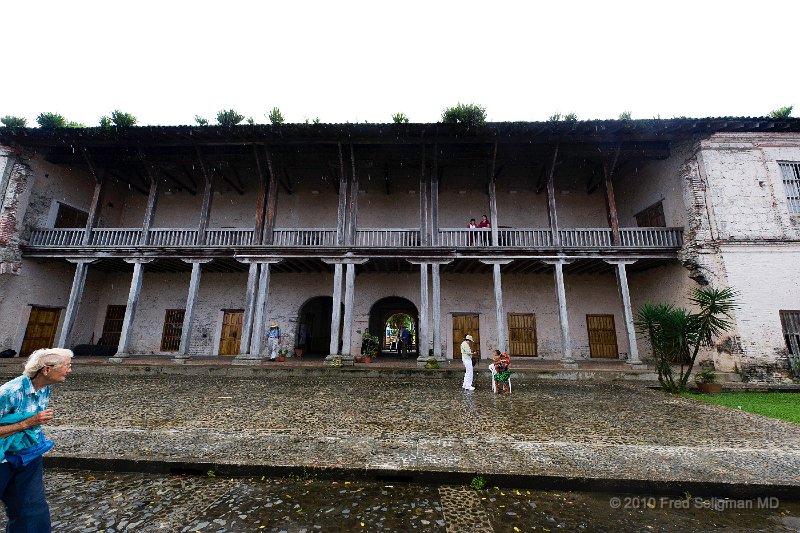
point(755, 238)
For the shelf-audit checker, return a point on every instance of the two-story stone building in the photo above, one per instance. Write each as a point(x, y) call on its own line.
point(188, 241)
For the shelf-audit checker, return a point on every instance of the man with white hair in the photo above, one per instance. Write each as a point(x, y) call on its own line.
point(466, 358)
point(23, 409)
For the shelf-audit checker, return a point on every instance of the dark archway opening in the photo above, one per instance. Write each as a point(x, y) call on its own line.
point(313, 333)
point(385, 320)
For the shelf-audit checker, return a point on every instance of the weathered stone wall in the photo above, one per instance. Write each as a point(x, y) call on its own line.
point(741, 235)
point(15, 187)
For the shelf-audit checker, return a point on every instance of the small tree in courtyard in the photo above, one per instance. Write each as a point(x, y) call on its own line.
point(676, 334)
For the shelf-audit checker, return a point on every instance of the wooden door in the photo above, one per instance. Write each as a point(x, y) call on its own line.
point(522, 334)
point(465, 325)
point(602, 336)
point(112, 327)
point(41, 330)
point(230, 339)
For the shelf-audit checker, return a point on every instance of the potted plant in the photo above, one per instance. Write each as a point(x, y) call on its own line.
point(370, 344)
point(706, 381)
point(298, 352)
point(282, 353)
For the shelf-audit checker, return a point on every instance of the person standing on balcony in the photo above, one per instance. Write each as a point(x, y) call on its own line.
point(471, 226)
point(23, 409)
point(273, 340)
point(466, 358)
point(484, 224)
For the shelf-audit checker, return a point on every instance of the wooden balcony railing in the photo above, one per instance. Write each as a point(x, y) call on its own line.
point(303, 237)
point(540, 238)
point(229, 237)
point(172, 237)
point(651, 237)
point(388, 238)
point(463, 237)
point(116, 236)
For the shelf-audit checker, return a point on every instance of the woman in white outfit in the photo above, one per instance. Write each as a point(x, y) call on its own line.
point(466, 358)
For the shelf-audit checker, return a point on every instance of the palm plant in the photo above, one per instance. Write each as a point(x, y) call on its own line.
point(676, 335)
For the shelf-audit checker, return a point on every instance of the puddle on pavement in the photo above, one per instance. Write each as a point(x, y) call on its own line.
point(110, 502)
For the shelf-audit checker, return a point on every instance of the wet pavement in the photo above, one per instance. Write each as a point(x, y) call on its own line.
point(83, 501)
point(597, 430)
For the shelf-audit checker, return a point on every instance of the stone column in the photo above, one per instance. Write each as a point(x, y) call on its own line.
point(561, 297)
point(349, 303)
point(349, 307)
point(437, 312)
point(130, 310)
point(251, 295)
point(75, 297)
point(423, 326)
point(336, 311)
point(259, 326)
point(627, 311)
point(188, 317)
point(500, 314)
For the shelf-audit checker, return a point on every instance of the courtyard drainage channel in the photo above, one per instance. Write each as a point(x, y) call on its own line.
point(85, 501)
point(428, 477)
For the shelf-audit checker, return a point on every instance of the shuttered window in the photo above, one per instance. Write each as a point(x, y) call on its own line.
point(522, 334)
point(173, 325)
point(112, 327)
point(791, 185)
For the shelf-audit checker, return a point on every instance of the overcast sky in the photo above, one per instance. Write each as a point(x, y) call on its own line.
point(166, 61)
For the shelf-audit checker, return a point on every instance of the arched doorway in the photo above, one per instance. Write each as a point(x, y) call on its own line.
point(394, 308)
point(314, 326)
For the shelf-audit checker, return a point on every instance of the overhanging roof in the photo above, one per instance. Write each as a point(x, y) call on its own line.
point(502, 132)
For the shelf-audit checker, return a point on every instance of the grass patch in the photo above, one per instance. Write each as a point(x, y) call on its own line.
point(780, 405)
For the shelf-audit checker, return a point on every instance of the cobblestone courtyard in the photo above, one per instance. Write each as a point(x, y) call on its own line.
point(608, 430)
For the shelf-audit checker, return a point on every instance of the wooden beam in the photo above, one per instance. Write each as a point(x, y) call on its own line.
point(493, 196)
point(218, 171)
point(89, 162)
point(551, 201)
point(423, 201)
point(353, 201)
point(94, 209)
point(386, 178)
point(272, 200)
point(152, 198)
point(286, 182)
point(341, 212)
point(260, 203)
point(179, 183)
point(435, 197)
point(115, 174)
point(189, 176)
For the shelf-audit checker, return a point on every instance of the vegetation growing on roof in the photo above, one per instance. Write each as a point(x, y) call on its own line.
point(229, 117)
point(251, 121)
point(626, 115)
point(469, 114)
point(51, 121)
point(400, 118)
point(783, 112)
point(555, 117)
point(105, 122)
point(10, 121)
point(571, 117)
point(200, 120)
point(122, 120)
point(275, 117)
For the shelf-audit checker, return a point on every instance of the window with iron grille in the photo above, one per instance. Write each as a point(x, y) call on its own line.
point(112, 327)
point(791, 184)
point(173, 325)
